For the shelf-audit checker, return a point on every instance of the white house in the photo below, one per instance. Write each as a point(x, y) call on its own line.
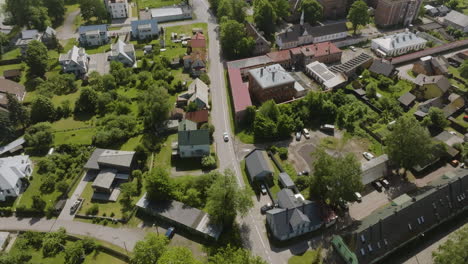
point(457, 20)
point(76, 61)
point(94, 35)
point(12, 170)
point(397, 44)
point(145, 29)
point(197, 92)
point(123, 52)
point(117, 8)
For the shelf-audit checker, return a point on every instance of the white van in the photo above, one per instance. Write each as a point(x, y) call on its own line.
point(358, 196)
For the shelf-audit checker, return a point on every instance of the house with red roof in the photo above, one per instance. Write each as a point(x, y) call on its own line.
point(239, 93)
point(200, 117)
point(197, 42)
point(282, 57)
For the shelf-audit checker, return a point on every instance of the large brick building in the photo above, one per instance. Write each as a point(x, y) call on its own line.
point(396, 12)
point(333, 9)
point(271, 82)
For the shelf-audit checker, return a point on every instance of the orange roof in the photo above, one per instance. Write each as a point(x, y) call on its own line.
point(197, 116)
point(320, 49)
point(279, 56)
point(198, 41)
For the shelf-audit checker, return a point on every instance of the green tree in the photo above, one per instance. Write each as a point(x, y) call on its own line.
point(178, 255)
point(208, 162)
point(436, 119)
point(417, 144)
point(371, 90)
point(336, 178)
point(264, 16)
point(224, 9)
point(214, 4)
point(92, 8)
point(38, 18)
point(74, 253)
point(7, 128)
point(149, 250)
point(87, 102)
point(464, 69)
point(226, 199)
point(158, 185)
point(313, 11)
point(36, 58)
point(453, 251)
point(285, 126)
point(18, 11)
point(155, 107)
point(42, 110)
point(264, 128)
point(234, 255)
point(453, 4)
point(18, 113)
point(358, 14)
point(238, 10)
point(39, 137)
point(56, 10)
point(53, 243)
point(38, 203)
point(234, 40)
point(281, 8)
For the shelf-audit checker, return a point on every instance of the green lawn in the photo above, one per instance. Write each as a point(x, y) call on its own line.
point(12, 54)
point(94, 258)
point(70, 43)
point(131, 143)
point(308, 257)
point(163, 158)
point(456, 73)
point(106, 208)
point(174, 50)
point(13, 67)
point(142, 4)
point(99, 49)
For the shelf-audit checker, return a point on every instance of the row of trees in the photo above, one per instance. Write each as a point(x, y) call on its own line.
point(37, 14)
point(218, 192)
point(154, 249)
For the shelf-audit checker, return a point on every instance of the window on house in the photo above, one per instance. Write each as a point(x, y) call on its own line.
point(378, 244)
point(369, 247)
point(422, 219)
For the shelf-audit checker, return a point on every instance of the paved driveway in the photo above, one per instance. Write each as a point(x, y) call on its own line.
point(98, 62)
point(67, 30)
point(65, 214)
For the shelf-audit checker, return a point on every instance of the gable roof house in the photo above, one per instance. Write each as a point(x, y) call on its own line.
point(407, 217)
point(382, 68)
point(76, 61)
point(198, 92)
point(258, 165)
point(431, 66)
point(12, 171)
point(48, 36)
point(26, 37)
point(293, 217)
point(94, 35)
point(112, 168)
point(407, 100)
point(262, 46)
point(304, 33)
point(195, 62)
point(193, 143)
point(457, 20)
point(428, 87)
point(144, 29)
point(124, 53)
point(197, 42)
point(13, 88)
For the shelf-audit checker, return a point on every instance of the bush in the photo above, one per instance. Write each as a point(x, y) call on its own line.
point(283, 153)
point(93, 210)
point(6, 211)
point(208, 162)
point(205, 78)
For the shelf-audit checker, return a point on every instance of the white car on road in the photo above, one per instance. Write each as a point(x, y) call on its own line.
point(225, 137)
point(368, 155)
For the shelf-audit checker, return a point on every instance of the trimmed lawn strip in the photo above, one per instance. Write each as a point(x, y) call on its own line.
point(142, 4)
point(308, 257)
point(132, 143)
point(12, 54)
point(81, 136)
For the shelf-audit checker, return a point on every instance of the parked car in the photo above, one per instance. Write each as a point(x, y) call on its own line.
point(75, 205)
point(298, 136)
point(453, 133)
point(170, 232)
point(306, 133)
point(352, 48)
point(385, 183)
point(263, 189)
point(358, 197)
point(454, 163)
point(368, 155)
point(328, 128)
point(225, 137)
point(462, 165)
point(265, 208)
point(377, 186)
point(305, 172)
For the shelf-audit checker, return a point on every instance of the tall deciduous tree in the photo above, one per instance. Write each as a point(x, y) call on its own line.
point(226, 199)
point(39, 137)
point(234, 40)
point(6, 127)
point(408, 144)
point(281, 8)
point(313, 11)
point(149, 250)
point(178, 255)
point(18, 113)
point(453, 251)
point(38, 18)
point(36, 58)
point(158, 185)
point(155, 107)
point(92, 8)
point(358, 14)
point(436, 119)
point(87, 102)
point(234, 255)
point(336, 178)
point(74, 252)
point(264, 16)
point(56, 10)
point(42, 109)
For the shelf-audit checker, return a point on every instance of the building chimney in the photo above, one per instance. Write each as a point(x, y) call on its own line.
point(273, 75)
point(261, 72)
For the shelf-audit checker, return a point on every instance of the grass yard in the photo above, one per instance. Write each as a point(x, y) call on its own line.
point(70, 123)
point(13, 67)
point(179, 74)
point(456, 73)
point(174, 50)
point(163, 158)
point(132, 143)
point(106, 208)
point(461, 121)
point(94, 258)
point(403, 87)
point(142, 4)
point(70, 43)
point(309, 256)
point(12, 54)
point(99, 49)
point(82, 136)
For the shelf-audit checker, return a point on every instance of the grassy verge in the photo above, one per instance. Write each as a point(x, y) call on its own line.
point(12, 54)
point(156, 3)
point(309, 256)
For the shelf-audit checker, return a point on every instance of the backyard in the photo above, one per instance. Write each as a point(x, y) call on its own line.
point(142, 4)
point(174, 50)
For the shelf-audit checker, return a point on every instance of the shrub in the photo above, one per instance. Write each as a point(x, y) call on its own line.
point(6, 211)
point(93, 210)
point(283, 153)
point(208, 162)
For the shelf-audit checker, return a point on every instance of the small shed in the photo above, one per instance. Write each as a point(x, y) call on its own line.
point(14, 74)
point(258, 166)
point(286, 180)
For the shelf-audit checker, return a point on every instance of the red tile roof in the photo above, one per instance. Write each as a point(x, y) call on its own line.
point(198, 41)
point(279, 56)
point(197, 116)
point(239, 90)
point(320, 49)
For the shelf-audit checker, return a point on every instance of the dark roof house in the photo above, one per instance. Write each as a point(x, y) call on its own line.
point(286, 180)
point(258, 166)
point(407, 100)
point(383, 68)
point(108, 158)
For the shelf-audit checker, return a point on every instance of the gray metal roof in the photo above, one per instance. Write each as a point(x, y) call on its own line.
point(286, 180)
point(256, 163)
point(12, 146)
point(271, 76)
point(407, 98)
point(105, 178)
point(457, 18)
point(29, 34)
point(298, 218)
point(186, 125)
point(109, 158)
point(381, 67)
point(374, 169)
point(194, 137)
point(286, 199)
point(399, 40)
point(84, 29)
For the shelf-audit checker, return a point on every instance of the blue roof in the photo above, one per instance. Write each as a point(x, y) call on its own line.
point(153, 22)
point(84, 29)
